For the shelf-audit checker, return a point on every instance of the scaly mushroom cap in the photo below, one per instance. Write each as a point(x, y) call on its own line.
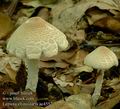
point(36, 37)
point(101, 58)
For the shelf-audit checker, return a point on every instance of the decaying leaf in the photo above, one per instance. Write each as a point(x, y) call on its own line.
point(110, 23)
point(83, 69)
point(44, 13)
point(62, 83)
point(77, 36)
point(26, 12)
point(46, 2)
point(109, 103)
point(5, 25)
point(33, 3)
point(53, 64)
point(12, 74)
point(62, 104)
point(78, 58)
point(114, 83)
point(20, 21)
point(9, 66)
point(94, 14)
point(80, 101)
point(116, 50)
point(67, 17)
point(60, 56)
point(1, 78)
point(58, 60)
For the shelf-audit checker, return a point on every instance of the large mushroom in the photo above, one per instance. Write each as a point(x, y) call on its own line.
point(32, 40)
point(102, 59)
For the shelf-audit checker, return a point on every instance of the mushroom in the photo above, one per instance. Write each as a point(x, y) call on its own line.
point(33, 40)
point(102, 58)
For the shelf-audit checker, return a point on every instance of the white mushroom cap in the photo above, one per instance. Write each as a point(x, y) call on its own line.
point(101, 58)
point(36, 37)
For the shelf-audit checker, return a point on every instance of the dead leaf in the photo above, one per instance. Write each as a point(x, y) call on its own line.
point(77, 36)
point(80, 101)
point(62, 83)
point(83, 69)
point(21, 20)
point(62, 104)
point(67, 17)
point(5, 25)
point(44, 13)
point(87, 88)
point(9, 66)
point(110, 23)
point(109, 103)
point(57, 61)
point(94, 14)
point(78, 58)
point(46, 2)
point(60, 56)
point(48, 64)
point(26, 12)
point(116, 50)
point(12, 74)
point(33, 3)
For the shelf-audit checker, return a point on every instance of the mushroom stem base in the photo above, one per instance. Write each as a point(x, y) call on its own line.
point(32, 78)
point(98, 87)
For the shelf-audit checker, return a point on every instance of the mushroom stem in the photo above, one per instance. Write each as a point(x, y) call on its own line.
point(32, 78)
point(98, 87)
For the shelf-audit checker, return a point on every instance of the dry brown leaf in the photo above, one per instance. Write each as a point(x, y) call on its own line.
point(77, 36)
point(21, 20)
point(46, 2)
point(78, 58)
point(76, 89)
point(62, 83)
point(12, 74)
point(117, 2)
point(44, 13)
point(110, 23)
point(59, 104)
point(5, 25)
point(33, 3)
point(112, 82)
point(94, 14)
point(67, 17)
point(116, 50)
point(9, 66)
point(53, 64)
point(83, 69)
point(6, 79)
point(109, 103)
point(80, 101)
point(3, 62)
point(1, 78)
point(26, 12)
point(87, 88)
point(60, 56)
point(13, 61)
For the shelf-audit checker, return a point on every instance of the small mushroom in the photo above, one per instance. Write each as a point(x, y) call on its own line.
point(32, 40)
point(102, 58)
